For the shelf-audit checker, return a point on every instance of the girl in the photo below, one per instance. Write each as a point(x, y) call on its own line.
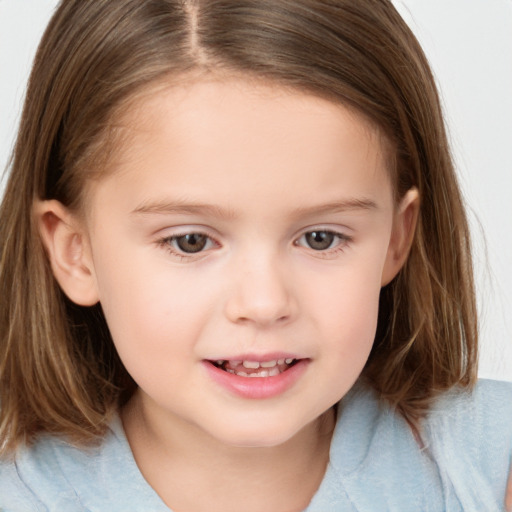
point(236, 269)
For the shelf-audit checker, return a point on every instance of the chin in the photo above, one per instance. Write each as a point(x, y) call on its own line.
point(259, 433)
point(259, 440)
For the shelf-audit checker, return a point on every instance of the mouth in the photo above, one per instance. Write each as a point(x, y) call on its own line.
point(253, 377)
point(261, 369)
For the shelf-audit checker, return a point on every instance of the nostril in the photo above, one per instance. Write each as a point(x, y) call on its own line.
point(259, 313)
point(261, 296)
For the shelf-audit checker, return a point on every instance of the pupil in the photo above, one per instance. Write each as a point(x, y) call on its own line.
point(194, 242)
point(320, 240)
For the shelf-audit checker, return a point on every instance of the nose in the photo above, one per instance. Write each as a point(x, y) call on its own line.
point(261, 293)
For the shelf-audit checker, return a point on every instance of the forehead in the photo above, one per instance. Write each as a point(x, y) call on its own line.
point(217, 99)
point(252, 137)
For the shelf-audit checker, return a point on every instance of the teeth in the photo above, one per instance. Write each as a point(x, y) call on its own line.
point(251, 364)
point(263, 373)
point(254, 365)
point(262, 369)
point(271, 372)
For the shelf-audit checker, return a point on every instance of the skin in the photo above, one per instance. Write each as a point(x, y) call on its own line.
point(508, 497)
point(256, 169)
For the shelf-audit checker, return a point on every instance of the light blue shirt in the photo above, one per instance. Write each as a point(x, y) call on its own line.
point(375, 463)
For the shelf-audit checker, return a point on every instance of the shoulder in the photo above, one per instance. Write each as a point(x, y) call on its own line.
point(14, 494)
point(375, 462)
point(53, 475)
point(484, 412)
point(39, 477)
point(375, 458)
point(487, 394)
point(469, 434)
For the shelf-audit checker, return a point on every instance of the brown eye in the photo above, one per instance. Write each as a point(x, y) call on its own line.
point(191, 243)
point(320, 240)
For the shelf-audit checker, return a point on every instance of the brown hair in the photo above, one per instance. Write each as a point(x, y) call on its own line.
point(59, 371)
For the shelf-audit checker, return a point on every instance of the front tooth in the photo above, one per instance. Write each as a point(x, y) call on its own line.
point(268, 364)
point(251, 364)
point(263, 373)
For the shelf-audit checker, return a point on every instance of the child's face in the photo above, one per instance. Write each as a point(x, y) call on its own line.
point(243, 223)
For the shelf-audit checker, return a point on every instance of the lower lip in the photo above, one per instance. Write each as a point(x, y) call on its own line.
point(257, 387)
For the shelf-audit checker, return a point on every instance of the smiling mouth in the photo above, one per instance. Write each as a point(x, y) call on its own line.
point(255, 368)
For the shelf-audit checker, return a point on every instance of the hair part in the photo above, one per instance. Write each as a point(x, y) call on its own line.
point(59, 371)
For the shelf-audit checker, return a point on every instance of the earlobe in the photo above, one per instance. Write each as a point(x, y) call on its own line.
point(68, 250)
point(404, 226)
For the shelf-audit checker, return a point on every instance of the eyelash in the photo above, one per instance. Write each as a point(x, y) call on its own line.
point(342, 242)
point(168, 243)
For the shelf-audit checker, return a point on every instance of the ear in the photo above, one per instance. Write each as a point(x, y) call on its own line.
point(68, 249)
point(402, 234)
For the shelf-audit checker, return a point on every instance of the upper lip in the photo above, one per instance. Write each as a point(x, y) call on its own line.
point(260, 358)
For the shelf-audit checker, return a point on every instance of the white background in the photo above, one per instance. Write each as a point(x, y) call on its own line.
point(469, 44)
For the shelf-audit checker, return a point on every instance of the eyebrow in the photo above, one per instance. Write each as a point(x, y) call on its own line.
point(341, 206)
point(181, 207)
point(186, 208)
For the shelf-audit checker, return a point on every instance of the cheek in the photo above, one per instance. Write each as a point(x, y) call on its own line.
point(152, 306)
point(352, 320)
point(154, 328)
point(346, 310)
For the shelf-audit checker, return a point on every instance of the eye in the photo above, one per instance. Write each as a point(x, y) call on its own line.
point(321, 240)
point(194, 242)
point(189, 243)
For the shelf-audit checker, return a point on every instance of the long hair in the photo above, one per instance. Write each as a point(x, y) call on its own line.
point(59, 371)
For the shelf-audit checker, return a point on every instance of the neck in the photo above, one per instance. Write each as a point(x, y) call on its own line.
point(191, 471)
